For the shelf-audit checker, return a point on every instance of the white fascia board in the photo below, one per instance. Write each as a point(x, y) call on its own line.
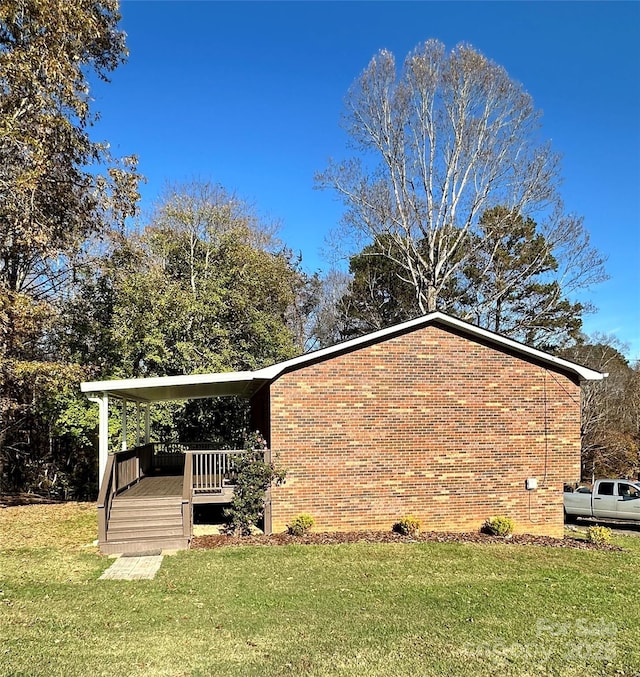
point(582, 372)
point(247, 382)
point(158, 381)
point(275, 370)
point(183, 386)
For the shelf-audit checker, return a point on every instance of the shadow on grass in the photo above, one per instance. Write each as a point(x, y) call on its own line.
point(14, 500)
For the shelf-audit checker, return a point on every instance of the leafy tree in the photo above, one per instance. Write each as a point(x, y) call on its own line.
point(38, 450)
point(205, 287)
point(52, 194)
point(511, 284)
point(448, 138)
point(377, 296)
point(58, 188)
point(206, 290)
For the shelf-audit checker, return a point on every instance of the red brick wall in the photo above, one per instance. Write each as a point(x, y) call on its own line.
point(428, 423)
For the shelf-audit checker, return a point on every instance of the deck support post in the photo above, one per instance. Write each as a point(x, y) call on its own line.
point(147, 423)
point(124, 425)
point(268, 518)
point(103, 434)
point(137, 424)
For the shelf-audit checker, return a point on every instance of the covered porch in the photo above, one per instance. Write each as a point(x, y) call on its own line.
point(148, 489)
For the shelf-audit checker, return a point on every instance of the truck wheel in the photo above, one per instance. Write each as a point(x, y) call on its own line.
point(569, 519)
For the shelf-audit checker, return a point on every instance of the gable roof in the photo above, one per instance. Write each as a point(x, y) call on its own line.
point(245, 383)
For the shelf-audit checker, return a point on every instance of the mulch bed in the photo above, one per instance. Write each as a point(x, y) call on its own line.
point(221, 541)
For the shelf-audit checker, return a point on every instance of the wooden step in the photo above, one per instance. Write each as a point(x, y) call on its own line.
point(143, 545)
point(138, 526)
point(133, 533)
point(225, 496)
point(146, 503)
point(148, 510)
point(124, 511)
point(149, 522)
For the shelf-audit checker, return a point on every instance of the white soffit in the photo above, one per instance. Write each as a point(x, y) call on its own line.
point(196, 386)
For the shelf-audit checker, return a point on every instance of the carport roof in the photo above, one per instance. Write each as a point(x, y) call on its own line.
point(246, 383)
point(195, 386)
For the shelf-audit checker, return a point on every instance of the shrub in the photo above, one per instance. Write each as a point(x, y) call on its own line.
point(500, 525)
point(407, 526)
point(253, 478)
point(599, 535)
point(300, 524)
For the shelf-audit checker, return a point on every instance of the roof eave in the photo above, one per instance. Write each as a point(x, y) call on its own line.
point(165, 388)
point(583, 373)
point(245, 383)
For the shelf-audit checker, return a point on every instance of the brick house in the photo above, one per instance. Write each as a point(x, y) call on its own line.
point(434, 417)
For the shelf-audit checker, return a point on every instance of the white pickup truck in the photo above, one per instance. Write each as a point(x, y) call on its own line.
point(609, 499)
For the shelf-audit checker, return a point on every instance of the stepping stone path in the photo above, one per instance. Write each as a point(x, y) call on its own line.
point(133, 568)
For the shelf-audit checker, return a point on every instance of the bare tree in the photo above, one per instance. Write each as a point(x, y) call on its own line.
point(610, 427)
point(327, 324)
point(437, 144)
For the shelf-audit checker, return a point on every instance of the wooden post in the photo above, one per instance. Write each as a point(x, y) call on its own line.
point(267, 498)
point(147, 423)
point(124, 425)
point(103, 434)
point(137, 424)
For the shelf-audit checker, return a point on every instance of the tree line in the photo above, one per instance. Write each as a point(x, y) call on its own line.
point(451, 203)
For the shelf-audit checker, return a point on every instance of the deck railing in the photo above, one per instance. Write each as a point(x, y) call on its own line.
point(168, 456)
point(104, 499)
point(206, 472)
point(124, 469)
point(211, 469)
point(130, 466)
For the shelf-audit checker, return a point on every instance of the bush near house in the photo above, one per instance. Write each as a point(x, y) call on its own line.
point(254, 475)
point(500, 525)
point(300, 524)
point(599, 535)
point(407, 526)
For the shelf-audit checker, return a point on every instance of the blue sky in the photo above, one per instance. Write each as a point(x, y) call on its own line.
point(249, 95)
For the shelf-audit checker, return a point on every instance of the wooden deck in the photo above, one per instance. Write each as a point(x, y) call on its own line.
point(140, 509)
point(156, 487)
point(171, 486)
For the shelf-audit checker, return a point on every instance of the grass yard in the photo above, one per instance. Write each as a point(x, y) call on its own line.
point(359, 609)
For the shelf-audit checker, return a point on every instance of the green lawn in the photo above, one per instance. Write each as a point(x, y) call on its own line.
point(396, 609)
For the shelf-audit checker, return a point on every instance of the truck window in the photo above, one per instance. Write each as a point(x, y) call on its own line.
point(605, 488)
point(628, 490)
